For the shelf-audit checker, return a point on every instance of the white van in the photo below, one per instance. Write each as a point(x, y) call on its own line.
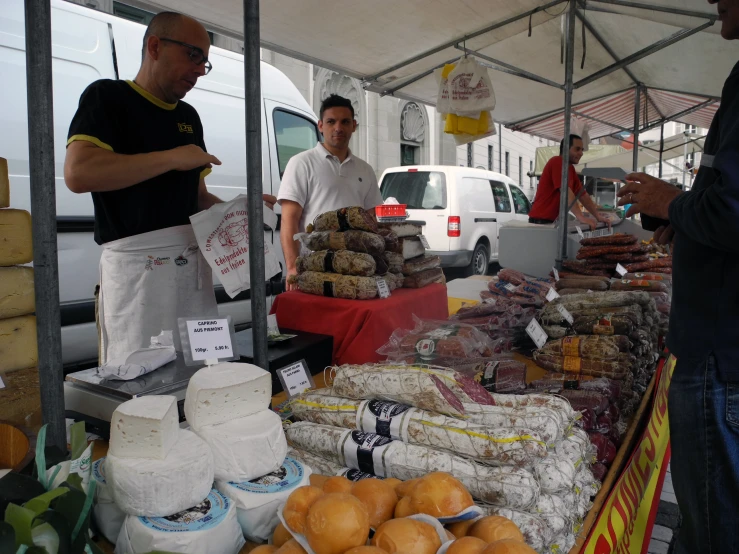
point(462, 209)
point(89, 45)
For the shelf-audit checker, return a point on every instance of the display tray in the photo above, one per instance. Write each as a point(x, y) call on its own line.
point(533, 372)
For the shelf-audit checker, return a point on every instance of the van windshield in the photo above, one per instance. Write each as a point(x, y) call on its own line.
point(420, 190)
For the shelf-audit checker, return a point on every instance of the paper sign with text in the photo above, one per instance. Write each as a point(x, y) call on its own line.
point(552, 294)
point(210, 339)
point(295, 378)
point(621, 270)
point(537, 334)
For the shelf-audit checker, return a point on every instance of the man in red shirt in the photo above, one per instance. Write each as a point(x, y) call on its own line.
point(545, 208)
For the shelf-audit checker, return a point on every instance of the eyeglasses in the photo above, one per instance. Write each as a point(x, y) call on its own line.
point(196, 54)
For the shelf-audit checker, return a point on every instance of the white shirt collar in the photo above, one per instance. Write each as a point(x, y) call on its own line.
point(321, 148)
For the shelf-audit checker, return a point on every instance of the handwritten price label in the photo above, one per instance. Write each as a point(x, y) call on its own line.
point(295, 378)
point(552, 294)
point(537, 334)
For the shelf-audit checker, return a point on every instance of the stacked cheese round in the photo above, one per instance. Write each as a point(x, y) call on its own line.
point(258, 500)
point(108, 515)
point(210, 527)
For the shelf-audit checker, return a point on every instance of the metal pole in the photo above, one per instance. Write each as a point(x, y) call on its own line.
point(685, 162)
point(661, 147)
point(637, 109)
point(39, 98)
point(569, 64)
point(500, 148)
point(253, 104)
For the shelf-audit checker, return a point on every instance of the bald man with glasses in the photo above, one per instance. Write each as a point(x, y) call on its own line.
point(139, 150)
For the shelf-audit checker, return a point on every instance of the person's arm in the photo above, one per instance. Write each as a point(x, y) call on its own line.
point(593, 209)
point(90, 168)
point(577, 212)
point(291, 214)
point(205, 198)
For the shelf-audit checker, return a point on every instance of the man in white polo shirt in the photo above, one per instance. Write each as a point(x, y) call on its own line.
point(327, 177)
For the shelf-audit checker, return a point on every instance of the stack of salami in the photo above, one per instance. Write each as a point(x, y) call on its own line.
point(405, 254)
point(518, 287)
point(599, 256)
point(519, 455)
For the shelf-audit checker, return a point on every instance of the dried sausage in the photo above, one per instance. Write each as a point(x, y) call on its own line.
point(617, 239)
point(596, 251)
point(592, 284)
point(650, 265)
point(638, 284)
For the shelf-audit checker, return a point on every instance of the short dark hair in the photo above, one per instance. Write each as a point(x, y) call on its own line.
point(336, 101)
point(573, 138)
point(161, 25)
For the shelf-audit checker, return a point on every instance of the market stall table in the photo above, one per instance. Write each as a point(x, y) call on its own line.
point(360, 327)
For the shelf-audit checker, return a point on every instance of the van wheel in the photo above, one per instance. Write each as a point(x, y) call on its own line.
point(480, 261)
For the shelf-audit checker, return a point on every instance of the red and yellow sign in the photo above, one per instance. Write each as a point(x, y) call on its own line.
point(625, 522)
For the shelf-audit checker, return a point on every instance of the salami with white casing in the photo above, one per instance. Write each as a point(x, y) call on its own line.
point(552, 510)
point(316, 463)
point(501, 486)
point(555, 473)
point(549, 424)
point(490, 445)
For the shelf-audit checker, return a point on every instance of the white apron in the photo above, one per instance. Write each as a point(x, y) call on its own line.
point(147, 281)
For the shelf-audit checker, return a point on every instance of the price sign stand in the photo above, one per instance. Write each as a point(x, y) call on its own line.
point(207, 341)
point(295, 378)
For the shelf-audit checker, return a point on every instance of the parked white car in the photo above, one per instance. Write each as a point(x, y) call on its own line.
point(462, 209)
point(88, 45)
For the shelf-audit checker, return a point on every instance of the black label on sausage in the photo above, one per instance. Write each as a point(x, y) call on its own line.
point(328, 289)
point(343, 219)
point(363, 451)
point(328, 262)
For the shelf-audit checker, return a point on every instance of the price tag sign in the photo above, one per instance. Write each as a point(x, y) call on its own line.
point(552, 294)
point(579, 232)
point(565, 314)
point(383, 289)
point(490, 301)
point(556, 274)
point(210, 339)
point(621, 270)
point(424, 241)
point(537, 334)
point(295, 378)
point(511, 287)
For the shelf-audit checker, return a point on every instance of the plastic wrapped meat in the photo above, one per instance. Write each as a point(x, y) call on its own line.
point(410, 247)
point(356, 241)
point(394, 261)
point(402, 230)
point(345, 219)
point(336, 286)
point(421, 263)
point(344, 262)
point(424, 278)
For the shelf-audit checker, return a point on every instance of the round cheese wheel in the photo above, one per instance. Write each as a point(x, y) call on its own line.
point(439, 494)
point(257, 500)
point(108, 515)
point(337, 484)
point(407, 535)
point(467, 545)
point(281, 535)
point(460, 528)
point(247, 447)
point(296, 508)
point(495, 528)
point(336, 522)
point(207, 528)
point(508, 546)
point(378, 497)
point(159, 488)
point(291, 547)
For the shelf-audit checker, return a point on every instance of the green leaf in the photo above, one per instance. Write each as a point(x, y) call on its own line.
point(41, 503)
point(21, 519)
point(78, 439)
point(45, 536)
point(18, 489)
point(7, 537)
point(75, 507)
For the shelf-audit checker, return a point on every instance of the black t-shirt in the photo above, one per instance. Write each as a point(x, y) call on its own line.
point(122, 117)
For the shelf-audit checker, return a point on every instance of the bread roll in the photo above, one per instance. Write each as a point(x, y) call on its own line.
point(460, 528)
point(407, 535)
point(366, 550)
point(264, 549)
point(508, 546)
point(403, 507)
point(296, 507)
point(338, 484)
point(467, 545)
point(291, 547)
point(317, 480)
point(495, 528)
point(281, 535)
point(336, 522)
point(378, 497)
point(439, 494)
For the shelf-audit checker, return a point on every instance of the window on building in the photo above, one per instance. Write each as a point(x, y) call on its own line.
point(490, 157)
point(293, 134)
point(531, 174)
point(508, 164)
point(520, 170)
point(410, 154)
point(691, 129)
point(469, 154)
point(500, 193)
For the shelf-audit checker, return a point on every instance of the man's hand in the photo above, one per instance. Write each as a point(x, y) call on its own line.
point(664, 235)
point(647, 195)
point(290, 273)
point(589, 221)
point(191, 156)
point(269, 201)
point(604, 219)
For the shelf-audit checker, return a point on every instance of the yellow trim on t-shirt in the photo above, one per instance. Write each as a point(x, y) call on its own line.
point(151, 98)
point(96, 141)
point(207, 171)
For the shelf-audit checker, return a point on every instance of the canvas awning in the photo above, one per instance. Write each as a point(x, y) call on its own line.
point(594, 152)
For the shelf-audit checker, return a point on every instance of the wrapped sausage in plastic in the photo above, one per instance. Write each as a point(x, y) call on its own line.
point(356, 241)
point(606, 450)
point(424, 278)
point(345, 219)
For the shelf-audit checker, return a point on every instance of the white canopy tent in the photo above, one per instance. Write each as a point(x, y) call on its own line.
point(594, 152)
point(547, 56)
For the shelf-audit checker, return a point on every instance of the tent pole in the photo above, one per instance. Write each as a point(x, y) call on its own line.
point(637, 110)
point(253, 109)
point(569, 65)
point(661, 147)
point(43, 206)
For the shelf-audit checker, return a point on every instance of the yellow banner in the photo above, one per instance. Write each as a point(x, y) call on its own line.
point(630, 509)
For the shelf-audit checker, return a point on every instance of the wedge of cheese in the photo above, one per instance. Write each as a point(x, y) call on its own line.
point(16, 292)
point(18, 348)
point(16, 246)
point(145, 427)
point(4, 184)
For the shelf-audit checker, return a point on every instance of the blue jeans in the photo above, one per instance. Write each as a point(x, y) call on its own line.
point(704, 431)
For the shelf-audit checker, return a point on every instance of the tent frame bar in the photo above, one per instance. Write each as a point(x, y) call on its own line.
point(392, 91)
point(678, 115)
point(462, 39)
point(664, 9)
point(511, 69)
point(643, 53)
point(601, 121)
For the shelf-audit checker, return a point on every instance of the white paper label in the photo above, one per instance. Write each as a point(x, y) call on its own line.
point(295, 378)
point(2, 385)
point(383, 289)
point(272, 327)
point(388, 419)
point(490, 301)
point(556, 274)
point(210, 339)
point(565, 314)
point(511, 287)
point(552, 294)
point(365, 451)
point(537, 334)
point(579, 232)
point(621, 270)
point(424, 242)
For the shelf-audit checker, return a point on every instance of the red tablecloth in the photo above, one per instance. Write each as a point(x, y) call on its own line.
point(359, 327)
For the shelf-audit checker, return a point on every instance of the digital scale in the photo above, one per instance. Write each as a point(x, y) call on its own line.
point(92, 399)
